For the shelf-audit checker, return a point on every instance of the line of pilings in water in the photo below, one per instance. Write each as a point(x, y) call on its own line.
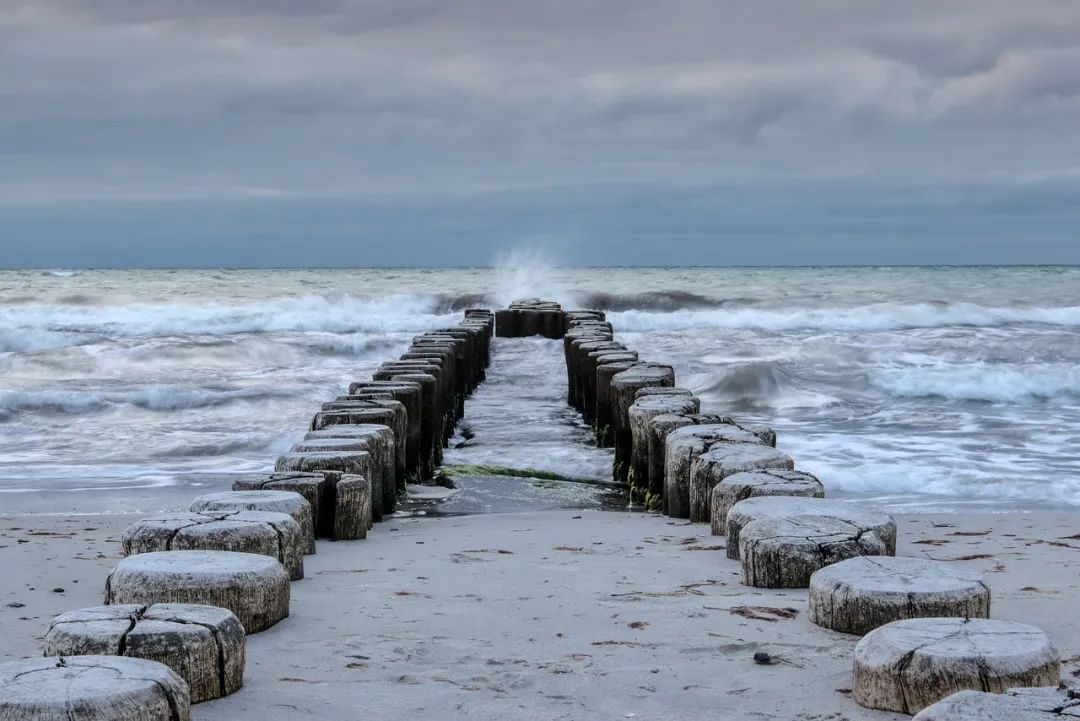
point(194, 584)
point(388, 430)
point(224, 568)
point(631, 404)
point(784, 533)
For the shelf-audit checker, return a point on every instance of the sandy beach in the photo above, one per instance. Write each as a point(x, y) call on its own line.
point(406, 355)
point(548, 615)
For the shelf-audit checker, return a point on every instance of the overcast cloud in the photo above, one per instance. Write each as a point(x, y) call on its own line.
point(857, 121)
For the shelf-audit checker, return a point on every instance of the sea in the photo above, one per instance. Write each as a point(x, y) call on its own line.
point(921, 388)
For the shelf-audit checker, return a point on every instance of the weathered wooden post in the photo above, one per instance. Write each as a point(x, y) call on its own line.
point(623, 389)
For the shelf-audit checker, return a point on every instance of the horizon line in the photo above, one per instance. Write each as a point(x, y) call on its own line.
point(8, 269)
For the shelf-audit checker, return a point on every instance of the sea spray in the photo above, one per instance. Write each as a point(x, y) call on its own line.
point(525, 272)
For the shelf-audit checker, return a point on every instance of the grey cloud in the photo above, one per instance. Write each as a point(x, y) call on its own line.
point(423, 98)
point(143, 11)
point(960, 52)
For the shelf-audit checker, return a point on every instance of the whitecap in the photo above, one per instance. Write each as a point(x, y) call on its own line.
point(43, 326)
point(981, 382)
point(878, 317)
point(755, 384)
point(156, 398)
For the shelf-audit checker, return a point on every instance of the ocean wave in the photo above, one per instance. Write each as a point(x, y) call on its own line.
point(352, 345)
point(981, 382)
point(40, 327)
point(458, 303)
point(50, 401)
point(757, 384)
point(29, 340)
point(77, 299)
point(222, 448)
point(172, 398)
point(665, 301)
point(878, 317)
point(908, 466)
point(155, 398)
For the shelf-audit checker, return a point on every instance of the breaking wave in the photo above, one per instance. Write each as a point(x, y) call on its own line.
point(661, 301)
point(879, 317)
point(357, 345)
point(759, 384)
point(458, 303)
point(981, 382)
point(155, 398)
point(40, 327)
point(664, 301)
point(222, 448)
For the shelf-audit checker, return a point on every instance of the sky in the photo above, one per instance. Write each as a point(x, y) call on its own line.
point(425, 132)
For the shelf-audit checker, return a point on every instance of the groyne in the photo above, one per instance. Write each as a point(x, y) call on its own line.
point(240, 551)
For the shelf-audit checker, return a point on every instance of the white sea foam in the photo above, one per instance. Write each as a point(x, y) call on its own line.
point(931, 465)
point(50, 400)
point(27, 339)
point(981, 382)
point(38, 327)
point(361, 345)
point(878, 317)
point(156, 398)
point(114, 379)
point(757, 384)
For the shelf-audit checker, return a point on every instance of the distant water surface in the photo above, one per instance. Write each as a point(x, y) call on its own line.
point(919, 387)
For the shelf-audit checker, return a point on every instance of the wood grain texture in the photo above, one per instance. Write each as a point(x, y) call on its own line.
point(623, 392)
point(683, 446)
point(785, 552)
point(288, 502)
point(722, 459)
point(861, 515)
point(1018, 704)
point(254, 587)
point(861, 594)
point(751, 484)
point(640, 414)
point(337, 465)
point(91, 688)
point(906, 666)
point(204, 645)
point(268, 533)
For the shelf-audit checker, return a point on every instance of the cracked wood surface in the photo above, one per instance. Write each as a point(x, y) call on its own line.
point(204, 645)
point(254, 587)
point(268, 533)
point(542, 634)
point(1020, 704)
point(287, 502)
point(860, 594)
point(907, 665)
point(860, 515)
point(762, 482)
point(91, 688)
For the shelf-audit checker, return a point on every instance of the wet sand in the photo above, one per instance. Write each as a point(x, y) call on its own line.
point(547, 615)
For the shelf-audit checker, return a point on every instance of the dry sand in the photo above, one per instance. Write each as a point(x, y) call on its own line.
point(547, 615)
